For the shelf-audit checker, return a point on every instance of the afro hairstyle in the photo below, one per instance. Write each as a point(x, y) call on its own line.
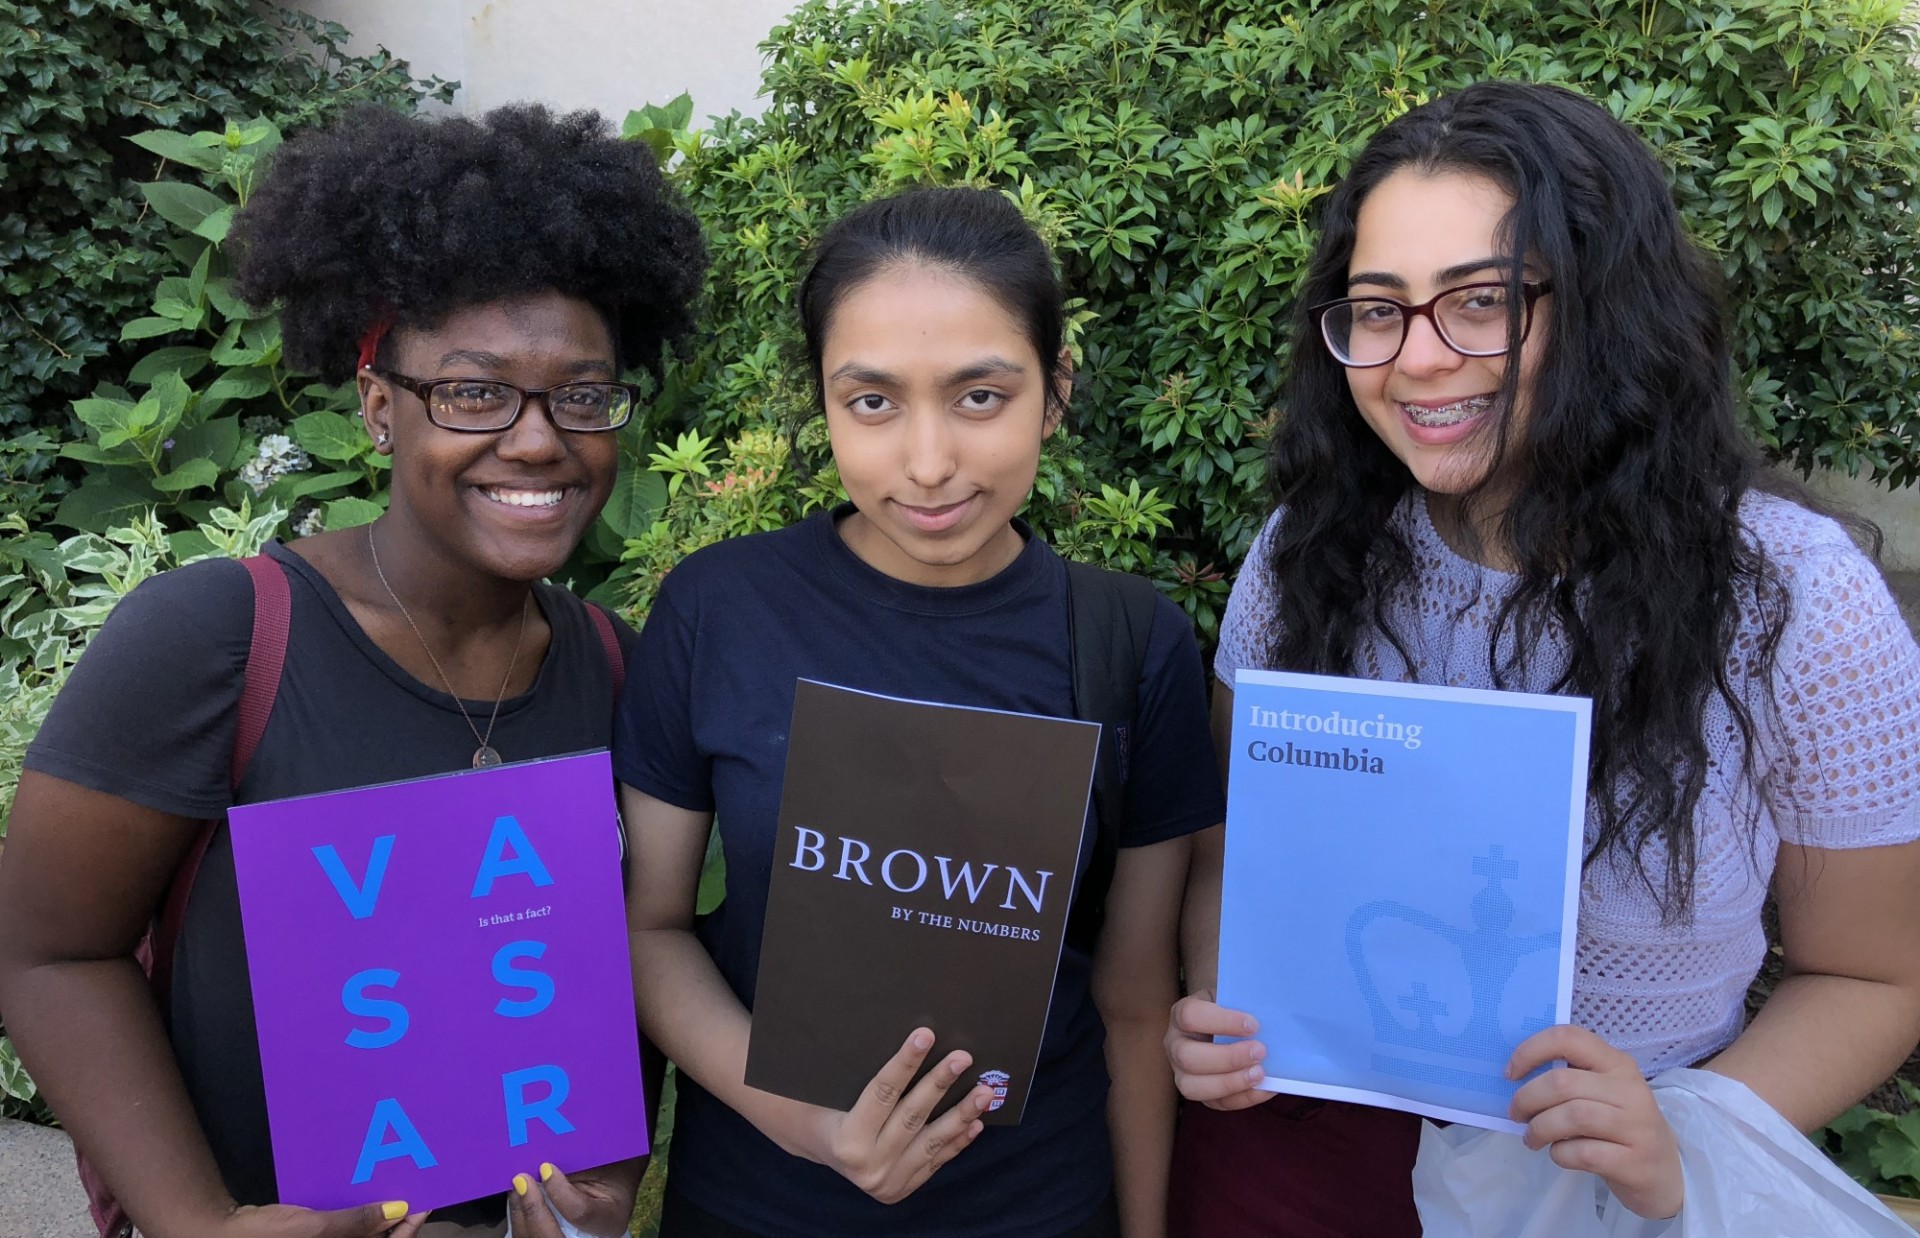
point(386, 219)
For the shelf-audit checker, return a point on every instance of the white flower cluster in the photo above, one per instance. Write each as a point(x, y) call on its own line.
point(276, 457)
point(313, 522)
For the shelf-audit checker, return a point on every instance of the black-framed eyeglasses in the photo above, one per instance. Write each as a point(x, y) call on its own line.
point(1471, 319)
point(486, 405)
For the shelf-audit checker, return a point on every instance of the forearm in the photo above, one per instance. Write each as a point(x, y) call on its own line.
point(89, 1034)
point(1200, 912)
point(1140, 1113)
point(1821, 1043)
point(689, 1013)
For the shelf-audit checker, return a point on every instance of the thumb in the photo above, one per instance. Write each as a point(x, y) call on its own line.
point(571, 1202)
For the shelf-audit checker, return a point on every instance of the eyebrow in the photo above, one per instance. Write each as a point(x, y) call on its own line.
point(1447, 275)
point(986, 367)
point(494, 361)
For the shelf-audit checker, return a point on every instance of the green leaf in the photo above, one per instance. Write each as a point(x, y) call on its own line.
point(1895, 1153)
point(182, 205)
point(171, 397)
point(351, 513)
point(215, 226)
point(189, 544)
point(104, 415)
point(89, 453)
point(312, 485)
point(184, 361)
point(189, 476)
point(147, 328)
point(217, 440)
point(220, 297)
point(241, 384)
point(14, 1080)
point(638, 495)
point(179, 148)
point(99, 504)
point(329, 435)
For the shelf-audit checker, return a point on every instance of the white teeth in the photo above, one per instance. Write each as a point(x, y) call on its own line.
point(526, 498)
point(1448, 414)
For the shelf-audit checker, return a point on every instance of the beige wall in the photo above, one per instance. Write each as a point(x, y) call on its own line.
point(1897, 512)
point(613, 55)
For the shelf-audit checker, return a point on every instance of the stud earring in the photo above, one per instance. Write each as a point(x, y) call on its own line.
point(381, 441)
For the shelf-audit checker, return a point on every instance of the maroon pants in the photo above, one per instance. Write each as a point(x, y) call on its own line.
point(1294, 1168)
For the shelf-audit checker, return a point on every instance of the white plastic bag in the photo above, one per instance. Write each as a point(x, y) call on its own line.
point(567, 1228)
point(1749, 1174)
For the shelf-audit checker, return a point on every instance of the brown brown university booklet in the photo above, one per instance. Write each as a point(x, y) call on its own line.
point(922, 872)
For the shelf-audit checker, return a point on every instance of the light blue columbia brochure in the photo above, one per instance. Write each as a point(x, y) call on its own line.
point(1402, 880)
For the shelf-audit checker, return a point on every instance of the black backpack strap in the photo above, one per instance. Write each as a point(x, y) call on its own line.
point(1109, 617)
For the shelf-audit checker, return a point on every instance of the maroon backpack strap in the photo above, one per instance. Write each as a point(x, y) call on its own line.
point(610, 642)
point(266, 658)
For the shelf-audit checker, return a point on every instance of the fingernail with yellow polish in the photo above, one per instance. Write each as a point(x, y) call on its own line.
point(395, 1210)
point(521, 1182)
point(546, 1172)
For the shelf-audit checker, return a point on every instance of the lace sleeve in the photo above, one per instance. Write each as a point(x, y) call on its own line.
point(1250, 610)
point(1846, 771)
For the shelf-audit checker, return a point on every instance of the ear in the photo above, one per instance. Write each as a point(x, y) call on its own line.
point(376, 410)
point(1063, 384)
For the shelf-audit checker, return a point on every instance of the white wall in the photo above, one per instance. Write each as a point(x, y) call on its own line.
point(612, 55)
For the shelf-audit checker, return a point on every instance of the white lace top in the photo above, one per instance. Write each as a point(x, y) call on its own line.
point(1837, 755)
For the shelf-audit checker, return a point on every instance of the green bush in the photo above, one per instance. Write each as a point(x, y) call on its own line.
point(214, 416)
point(80, 247)
point(1173, 154)
point(1881, 1150)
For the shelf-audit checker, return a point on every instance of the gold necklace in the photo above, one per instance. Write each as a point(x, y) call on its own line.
point(484, 756)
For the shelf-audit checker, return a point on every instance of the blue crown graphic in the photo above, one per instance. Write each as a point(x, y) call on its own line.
point(1490, 955)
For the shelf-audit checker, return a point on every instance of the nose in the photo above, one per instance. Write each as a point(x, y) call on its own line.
point(533, 437)
point(1423, 351)
point(930, 455)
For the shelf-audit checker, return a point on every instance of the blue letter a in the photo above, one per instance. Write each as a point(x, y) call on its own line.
point(547, 1109)
point(495, 864)
point(358, 898)
point(388, 1115)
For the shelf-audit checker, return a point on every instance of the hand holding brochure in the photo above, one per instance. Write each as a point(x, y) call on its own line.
point(1402, 876)
point(441, 983)
point(922, 871)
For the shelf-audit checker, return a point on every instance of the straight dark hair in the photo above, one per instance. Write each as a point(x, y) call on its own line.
point(1625, 525)
point(975, 234)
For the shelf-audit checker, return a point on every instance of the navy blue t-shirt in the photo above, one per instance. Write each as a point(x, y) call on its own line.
point(703, 726)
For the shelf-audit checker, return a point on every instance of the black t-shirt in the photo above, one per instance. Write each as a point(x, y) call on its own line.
point(703, 725)
point(149, 715)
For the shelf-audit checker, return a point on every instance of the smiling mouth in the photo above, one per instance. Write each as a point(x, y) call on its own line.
point(514, 497)
point(1439, 417)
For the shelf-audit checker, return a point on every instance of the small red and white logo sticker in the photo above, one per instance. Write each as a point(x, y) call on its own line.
point(997, 1080)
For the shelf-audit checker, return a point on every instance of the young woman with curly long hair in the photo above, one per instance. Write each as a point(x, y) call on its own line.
point(1510, 460)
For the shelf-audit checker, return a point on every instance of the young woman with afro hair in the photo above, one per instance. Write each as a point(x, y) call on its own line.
point(485, 282)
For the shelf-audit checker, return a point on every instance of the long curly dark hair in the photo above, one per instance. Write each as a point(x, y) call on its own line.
point(389, 219)
point(1625, 530)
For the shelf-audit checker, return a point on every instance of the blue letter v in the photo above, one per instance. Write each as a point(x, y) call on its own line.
point(358, 898)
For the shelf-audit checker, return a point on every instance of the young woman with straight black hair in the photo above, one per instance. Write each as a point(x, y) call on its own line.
point(1510, 459)
point(933, 323)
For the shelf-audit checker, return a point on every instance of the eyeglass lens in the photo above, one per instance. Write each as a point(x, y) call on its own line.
point(479, 405)
point(1370, 332)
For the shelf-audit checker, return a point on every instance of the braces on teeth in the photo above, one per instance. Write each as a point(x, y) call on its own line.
point(1448, 414)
